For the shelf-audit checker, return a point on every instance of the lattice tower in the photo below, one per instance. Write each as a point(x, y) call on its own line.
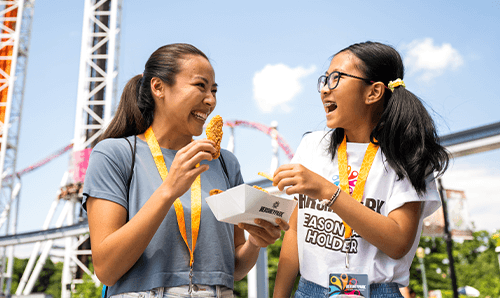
point(15, 25)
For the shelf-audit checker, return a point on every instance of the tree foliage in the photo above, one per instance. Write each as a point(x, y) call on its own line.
point(476, 265)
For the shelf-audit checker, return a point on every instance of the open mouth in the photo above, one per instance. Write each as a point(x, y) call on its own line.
point(330, 106)
point(199, 115)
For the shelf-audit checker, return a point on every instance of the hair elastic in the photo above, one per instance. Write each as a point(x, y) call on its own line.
point(396, 83)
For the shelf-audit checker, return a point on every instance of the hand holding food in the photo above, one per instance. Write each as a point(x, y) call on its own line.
point(214, 133)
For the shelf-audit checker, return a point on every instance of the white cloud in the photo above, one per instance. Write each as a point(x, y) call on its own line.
point(276, 85)
point(429, 60)
point(482, 192)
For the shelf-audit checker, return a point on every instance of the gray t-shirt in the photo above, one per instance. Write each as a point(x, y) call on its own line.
point(165, 262)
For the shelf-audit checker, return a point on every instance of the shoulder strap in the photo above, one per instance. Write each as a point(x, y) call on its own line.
point(223, 164)
point(133, 163)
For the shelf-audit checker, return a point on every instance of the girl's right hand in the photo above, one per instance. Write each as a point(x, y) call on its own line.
point(183, 170)
point(301, 180)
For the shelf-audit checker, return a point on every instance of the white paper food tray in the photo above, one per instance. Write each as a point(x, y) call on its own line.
point(244, 203)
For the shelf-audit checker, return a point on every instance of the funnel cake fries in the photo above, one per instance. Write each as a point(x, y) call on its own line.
point(215, 191)
point(214, 133)
point(265, 175)
point(260, 188)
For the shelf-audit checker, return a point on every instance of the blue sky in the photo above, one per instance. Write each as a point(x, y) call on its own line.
point(267, 56)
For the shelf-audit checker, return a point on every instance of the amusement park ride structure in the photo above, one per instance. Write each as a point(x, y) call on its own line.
point(97, 91)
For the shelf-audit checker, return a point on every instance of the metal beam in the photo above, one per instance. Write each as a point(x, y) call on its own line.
point(43, 235)
point(472, 141)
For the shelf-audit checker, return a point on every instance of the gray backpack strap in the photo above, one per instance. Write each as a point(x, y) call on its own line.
point(224, 168)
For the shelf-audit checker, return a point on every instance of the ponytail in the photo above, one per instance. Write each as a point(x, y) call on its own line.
point(408, 138)
point(133, 115)
point(405, 132)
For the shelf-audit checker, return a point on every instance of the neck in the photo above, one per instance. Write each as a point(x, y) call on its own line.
point(170, 138)
point(359, 134)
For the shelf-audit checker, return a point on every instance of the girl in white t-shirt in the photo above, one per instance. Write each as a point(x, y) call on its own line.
point(365, 186)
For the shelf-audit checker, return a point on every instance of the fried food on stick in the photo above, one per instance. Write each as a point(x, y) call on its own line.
point(214, 133)
point(215, 192)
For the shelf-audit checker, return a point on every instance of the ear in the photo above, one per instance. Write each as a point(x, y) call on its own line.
point(157, 87)
point(375, 93)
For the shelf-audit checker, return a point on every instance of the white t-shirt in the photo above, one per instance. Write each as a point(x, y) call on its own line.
point(320, 231)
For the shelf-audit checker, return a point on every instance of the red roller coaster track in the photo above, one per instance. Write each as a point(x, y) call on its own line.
point(232, 123)
point(265, 129)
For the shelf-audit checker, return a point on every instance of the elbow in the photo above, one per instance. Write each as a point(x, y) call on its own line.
point(105, 277)
point(399, 251)
point(237, 277)
point(103, 273)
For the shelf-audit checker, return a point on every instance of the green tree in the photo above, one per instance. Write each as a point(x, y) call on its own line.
point(273, 254)
point(44, 280)
point(55, 282)
point(88, 288)
point(476, 265)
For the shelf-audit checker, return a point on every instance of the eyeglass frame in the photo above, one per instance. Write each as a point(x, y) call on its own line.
point(340, 75)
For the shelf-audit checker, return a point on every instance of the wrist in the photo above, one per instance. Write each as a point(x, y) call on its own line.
point(252, 244)
point(332, 197)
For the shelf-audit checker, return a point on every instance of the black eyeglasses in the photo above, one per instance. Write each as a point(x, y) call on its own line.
point(333, 80)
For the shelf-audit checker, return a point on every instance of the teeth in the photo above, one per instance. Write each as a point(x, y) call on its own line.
point(330, 106)
point(202, 116)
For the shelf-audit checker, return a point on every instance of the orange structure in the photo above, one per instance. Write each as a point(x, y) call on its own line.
point(5, 64)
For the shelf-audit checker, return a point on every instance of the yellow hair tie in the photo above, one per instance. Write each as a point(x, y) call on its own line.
point(396, 83)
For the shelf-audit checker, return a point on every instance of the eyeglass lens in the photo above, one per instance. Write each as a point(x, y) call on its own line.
point(332, 80)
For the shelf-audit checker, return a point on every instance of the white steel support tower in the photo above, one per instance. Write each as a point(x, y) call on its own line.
point(15, 31)
point(97, 86)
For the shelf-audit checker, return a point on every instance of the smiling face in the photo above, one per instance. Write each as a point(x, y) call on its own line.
point(183, 108)
point(345, 106)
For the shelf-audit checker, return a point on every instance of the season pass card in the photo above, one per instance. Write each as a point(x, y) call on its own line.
point(348, 284)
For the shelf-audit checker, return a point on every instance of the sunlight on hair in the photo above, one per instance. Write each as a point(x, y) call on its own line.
point(276, 85)
point(429, 60)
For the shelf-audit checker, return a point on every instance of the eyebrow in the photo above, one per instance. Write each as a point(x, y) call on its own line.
point(206, 81)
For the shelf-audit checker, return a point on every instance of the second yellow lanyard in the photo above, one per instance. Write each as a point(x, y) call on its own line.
point(179, 210)
point(357, 193)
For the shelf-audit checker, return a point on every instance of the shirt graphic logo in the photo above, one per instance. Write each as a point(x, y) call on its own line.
point(353, 178)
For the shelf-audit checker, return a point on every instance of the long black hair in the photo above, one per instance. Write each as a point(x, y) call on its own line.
point(405, 132)
point(136, 108)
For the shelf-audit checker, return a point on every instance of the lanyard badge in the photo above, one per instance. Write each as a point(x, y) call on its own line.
point(179, 210)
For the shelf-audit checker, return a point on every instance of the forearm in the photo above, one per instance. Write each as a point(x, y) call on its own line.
point(246, 256)
point(392, 234)
point(117, 252)
point(288, 266)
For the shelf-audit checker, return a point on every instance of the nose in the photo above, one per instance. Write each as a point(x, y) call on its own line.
point(324, 90)
point(210, 100)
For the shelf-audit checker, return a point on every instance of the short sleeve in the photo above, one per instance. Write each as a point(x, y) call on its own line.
point(107, 173)
point(403, 192)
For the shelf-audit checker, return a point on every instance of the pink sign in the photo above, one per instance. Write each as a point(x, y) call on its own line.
point(80, 163)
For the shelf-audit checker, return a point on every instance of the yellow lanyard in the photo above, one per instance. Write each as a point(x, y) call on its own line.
point(179, 211)
point(357, 193)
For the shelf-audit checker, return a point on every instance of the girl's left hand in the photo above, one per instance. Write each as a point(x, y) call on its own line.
point(265, 233)
point(300, 180)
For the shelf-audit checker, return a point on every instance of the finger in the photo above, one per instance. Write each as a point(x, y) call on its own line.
point(273, 231)
point(257, 232)
point(285, 172)
point(200, 145)
point(282, 224)
point(286, 182)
